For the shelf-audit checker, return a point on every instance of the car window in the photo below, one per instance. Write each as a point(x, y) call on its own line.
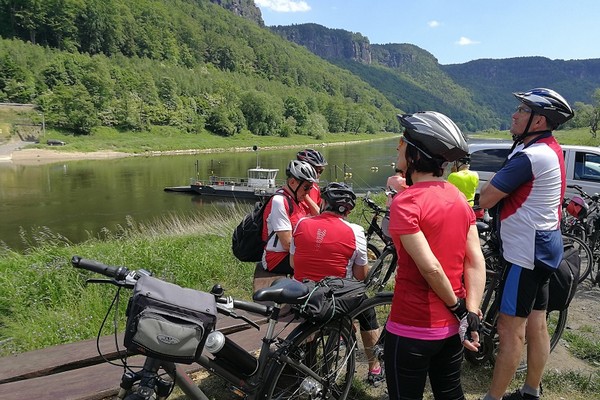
point(488, 160)
point(587, 166)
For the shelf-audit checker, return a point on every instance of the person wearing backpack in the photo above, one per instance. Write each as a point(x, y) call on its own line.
point(528, 191)
point(282, 213)
point(327, 245)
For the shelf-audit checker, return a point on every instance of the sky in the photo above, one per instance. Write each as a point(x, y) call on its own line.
point(457, 31)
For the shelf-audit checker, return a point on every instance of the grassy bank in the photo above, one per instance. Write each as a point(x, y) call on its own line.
point(170, 139)
point(44, 301)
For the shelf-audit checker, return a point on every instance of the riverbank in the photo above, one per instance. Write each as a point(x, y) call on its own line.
point(19, 154)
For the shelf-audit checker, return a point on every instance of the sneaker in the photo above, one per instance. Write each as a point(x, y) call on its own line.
point(517, 395)
point(376, 379)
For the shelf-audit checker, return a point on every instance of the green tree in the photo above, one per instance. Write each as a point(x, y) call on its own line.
point(263, 113)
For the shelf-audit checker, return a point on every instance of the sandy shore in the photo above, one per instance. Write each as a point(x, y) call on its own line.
point(42, 156)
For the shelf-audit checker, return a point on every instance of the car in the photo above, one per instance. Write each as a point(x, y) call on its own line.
point(582, 164)
point(55, 142)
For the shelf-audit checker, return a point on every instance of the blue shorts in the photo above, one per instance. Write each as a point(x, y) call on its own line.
point(523, 290)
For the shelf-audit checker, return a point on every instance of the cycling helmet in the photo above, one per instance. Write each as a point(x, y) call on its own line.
point(313, 157)
point(435, 135)
point(577, 207)
point(302, 171)
point(338, 197)
point(548, 103)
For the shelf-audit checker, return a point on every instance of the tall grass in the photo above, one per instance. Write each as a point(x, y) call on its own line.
point(45, 301)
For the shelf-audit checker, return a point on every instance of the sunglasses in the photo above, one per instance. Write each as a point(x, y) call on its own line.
point(523, 110)
point(404, 140)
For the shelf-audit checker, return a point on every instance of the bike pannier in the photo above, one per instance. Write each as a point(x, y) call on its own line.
point(563, 283)
point(168, 322)
point(330, 297)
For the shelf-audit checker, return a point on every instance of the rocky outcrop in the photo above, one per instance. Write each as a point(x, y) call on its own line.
point(330, 44)
point(242, 8)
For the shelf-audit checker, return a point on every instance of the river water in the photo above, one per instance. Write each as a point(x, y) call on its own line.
point(78, 199)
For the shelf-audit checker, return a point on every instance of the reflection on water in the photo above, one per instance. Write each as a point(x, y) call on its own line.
point(77, 199)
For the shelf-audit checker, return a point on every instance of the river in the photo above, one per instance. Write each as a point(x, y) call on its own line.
point(79, 199)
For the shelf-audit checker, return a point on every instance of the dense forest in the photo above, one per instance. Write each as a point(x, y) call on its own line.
point(191, 64)
point(211, 65)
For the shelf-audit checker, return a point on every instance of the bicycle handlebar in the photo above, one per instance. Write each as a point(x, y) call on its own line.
point(122, 274)
point(249, 306)
point(372, 205)
point(119, 273)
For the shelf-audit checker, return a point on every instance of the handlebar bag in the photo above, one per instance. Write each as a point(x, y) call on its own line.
point(330, 298)
point(168, 322)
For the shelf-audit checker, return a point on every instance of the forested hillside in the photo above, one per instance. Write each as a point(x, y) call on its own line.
point(477, 94)
point(191, 64)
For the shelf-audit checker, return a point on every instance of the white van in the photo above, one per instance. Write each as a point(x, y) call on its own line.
point(582, 164)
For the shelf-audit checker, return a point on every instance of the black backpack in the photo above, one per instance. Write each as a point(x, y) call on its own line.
point(246, 241)
point(563, 283)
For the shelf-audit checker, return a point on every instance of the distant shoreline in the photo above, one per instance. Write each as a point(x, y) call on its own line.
point(30, 157)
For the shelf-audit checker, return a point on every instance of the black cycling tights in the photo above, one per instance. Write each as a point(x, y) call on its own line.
point(409, 361)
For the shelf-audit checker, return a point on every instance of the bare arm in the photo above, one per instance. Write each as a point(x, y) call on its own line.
point(360, 271)
point(474, 273)
point(285, 238)
point(418, 248)
point(313, 207)
point(490, 196)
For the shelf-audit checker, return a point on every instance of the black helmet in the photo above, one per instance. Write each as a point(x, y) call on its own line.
point(548, 103)
point(313, 157)
point(302, 171)
point(338, 197)
point(435, 135)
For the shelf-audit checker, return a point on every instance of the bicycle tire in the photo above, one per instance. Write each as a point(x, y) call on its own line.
point(594, 241)
point(556, 321)
point(373, 253)
point(327, 350)
point(382, 270)
point(381, 303)
point(585, 253)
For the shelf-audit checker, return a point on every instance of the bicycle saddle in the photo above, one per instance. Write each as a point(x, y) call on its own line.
point(283, 291)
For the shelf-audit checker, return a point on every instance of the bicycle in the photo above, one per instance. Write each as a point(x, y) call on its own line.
point(488, 335)
point(375, 230)
point(584, 226)
point(316, 360)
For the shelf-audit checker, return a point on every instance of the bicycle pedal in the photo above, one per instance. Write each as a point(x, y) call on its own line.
point(237, 391)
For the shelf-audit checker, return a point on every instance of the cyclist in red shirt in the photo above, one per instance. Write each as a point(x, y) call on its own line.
point(328, 245)
point(441, 272)
point(318, 162)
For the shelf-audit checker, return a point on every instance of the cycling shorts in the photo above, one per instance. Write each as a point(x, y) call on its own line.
point(523, 290)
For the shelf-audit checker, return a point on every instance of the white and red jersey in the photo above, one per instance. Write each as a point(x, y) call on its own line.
point(534, 178)
point(327, 245)
point(277, 217)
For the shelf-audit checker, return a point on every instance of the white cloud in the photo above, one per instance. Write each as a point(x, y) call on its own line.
point(465, 41)
point(283, 5)
point(433, 24)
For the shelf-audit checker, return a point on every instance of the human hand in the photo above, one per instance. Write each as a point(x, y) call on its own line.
point(469, 323)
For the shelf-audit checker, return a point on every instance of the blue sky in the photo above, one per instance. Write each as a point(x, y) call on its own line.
point(457, 31)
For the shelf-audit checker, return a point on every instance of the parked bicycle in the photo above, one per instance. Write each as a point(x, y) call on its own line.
point(315, 361)
point(581, 220)
point(376, 232)
point(488, 335)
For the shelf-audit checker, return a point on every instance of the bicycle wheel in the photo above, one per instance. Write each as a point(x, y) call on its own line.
point(585, 253)
point(325, 351)
point(379, 306)
point(594, 242)
point(373, 253)
point(379, 276)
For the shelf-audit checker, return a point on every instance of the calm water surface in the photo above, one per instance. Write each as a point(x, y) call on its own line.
point(77, 199)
